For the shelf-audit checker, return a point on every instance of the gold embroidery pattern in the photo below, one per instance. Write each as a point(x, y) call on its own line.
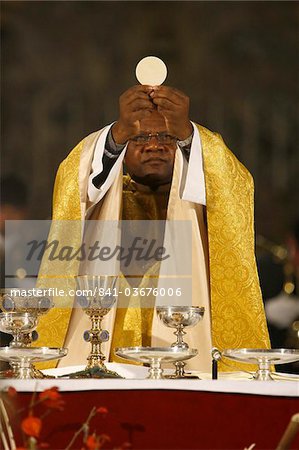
point(53, 327)
point(238, 318)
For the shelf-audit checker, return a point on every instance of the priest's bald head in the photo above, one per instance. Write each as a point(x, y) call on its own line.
point(150, 154)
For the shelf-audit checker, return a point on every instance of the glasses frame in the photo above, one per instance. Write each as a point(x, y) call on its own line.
point(147, 137)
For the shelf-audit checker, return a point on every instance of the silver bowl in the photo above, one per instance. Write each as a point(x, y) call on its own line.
point(19, 325)
point(20, 315)
point(180, 316)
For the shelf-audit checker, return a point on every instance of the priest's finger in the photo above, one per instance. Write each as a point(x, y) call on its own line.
point(141, 104)
point(168, 91)
point(165, 103)
point(135, 91)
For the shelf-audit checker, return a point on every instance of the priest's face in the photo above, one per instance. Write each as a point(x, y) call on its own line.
point(150, 154)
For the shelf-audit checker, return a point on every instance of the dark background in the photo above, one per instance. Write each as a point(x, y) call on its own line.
point(64, 64)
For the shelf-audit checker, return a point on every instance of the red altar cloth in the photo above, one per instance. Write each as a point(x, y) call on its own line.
point(174, 419)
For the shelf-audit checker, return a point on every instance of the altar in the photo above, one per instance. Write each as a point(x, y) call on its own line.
point(127, 406)
point(232, 412)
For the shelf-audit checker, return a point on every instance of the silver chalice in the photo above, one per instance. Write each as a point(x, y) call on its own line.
point(180, 317)
point(98, 297)
point(19, 317)
point(20, 313)
point(20, 325)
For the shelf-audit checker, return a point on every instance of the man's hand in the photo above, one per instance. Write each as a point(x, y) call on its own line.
point(174, 106)
point(134, 105)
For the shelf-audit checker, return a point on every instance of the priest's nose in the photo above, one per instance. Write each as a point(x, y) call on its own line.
point(153, 144)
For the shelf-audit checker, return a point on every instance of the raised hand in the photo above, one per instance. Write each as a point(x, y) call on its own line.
point(174, 106)
point(134, 105)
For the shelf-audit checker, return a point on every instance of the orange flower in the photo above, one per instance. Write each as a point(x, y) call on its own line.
point(102, 410)
point(52, 398)
point(92, 443)
point(32, 426)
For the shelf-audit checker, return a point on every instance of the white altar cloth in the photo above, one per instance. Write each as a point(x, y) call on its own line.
point(237, 382)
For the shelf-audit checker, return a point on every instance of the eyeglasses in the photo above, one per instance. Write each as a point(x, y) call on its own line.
point(163, 138)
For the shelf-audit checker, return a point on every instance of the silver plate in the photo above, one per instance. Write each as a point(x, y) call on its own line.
point(149, 354)
point(256, 356)
point(32, 354)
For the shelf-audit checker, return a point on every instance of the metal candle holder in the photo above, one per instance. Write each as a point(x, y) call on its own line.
point(99, 299)
point(180, 317)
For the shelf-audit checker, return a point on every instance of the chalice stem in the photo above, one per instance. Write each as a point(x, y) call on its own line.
point(179, 369)
point(264, 371)
point(96, 357)
point(179, 333)
point(155, 371)
point(24, 370)
point(17, 340)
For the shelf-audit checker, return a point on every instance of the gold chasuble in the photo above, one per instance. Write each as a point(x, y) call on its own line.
point(229, 286)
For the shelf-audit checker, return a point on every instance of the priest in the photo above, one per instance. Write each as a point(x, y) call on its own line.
point(176, 170)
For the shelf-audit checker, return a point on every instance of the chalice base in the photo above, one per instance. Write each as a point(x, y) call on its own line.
point(23, 373)
point(180, 373)
point(93, 372)
point(97, 369)
point(263, 375)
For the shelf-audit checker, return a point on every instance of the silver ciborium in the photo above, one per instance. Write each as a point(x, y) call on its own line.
point(19, 325)
point(19, 317)
point(180, 317)
point(97, 296)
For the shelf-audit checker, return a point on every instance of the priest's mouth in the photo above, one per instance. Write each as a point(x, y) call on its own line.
point(154, 160)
